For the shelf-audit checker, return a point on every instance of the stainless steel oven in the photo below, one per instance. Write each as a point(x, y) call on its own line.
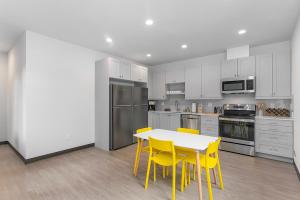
point(238, 85)
point(237, 128)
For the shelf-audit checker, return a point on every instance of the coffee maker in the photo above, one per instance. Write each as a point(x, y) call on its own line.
point(151, 105)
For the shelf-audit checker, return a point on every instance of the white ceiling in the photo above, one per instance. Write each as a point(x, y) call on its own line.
point(207, 26)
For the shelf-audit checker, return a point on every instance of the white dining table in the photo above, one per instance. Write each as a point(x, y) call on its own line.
point(199, 143)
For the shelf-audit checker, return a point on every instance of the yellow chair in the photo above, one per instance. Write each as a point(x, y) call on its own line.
point(188, 152)
point(140, 149)
point(166, 157)
point(209, 161)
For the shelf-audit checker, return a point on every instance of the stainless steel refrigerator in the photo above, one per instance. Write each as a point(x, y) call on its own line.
point(128, 112)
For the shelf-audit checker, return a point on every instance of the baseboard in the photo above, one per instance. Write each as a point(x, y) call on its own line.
point(3, 142)
point(18, 154)
point(297, 171)
point(58, 153)
point(27, 161)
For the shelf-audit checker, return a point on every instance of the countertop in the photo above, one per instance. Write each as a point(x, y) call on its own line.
point(186, 113)
point(274, 118)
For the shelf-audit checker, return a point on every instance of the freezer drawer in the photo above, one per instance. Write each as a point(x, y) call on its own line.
point(121, 130)
point(140, 117)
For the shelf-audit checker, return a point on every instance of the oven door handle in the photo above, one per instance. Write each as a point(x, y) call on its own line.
point(236, 120)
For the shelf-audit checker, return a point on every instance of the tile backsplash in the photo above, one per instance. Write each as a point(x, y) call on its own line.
point(208, 105)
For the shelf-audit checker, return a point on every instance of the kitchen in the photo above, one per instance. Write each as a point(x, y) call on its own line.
point(272, 91)
point(149, 99)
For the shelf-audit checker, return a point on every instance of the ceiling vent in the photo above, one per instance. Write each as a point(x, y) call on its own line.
point(238, 52)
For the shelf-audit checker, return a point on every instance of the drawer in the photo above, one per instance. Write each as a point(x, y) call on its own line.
point(209, 120)
point(274, 128)
point(268, 138)
point(278, 150)
point(267, 122)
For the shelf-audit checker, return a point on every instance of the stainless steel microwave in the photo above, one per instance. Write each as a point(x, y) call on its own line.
point(238, 85)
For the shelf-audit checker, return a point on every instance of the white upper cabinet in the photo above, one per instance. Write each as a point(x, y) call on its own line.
point(125, 69)
point(264, 79)
point(119, 69)
point(193, 82)
point(281, 75)
point(273, 76)
point(175, 76)
point(246, 66)
point(114, 68)
point(158, 85)
point(211, 85)
point(229, 68)
point(139, 73)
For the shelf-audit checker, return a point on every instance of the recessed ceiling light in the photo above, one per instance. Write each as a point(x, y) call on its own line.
point(184, 46)
point(149, 55)
point(149, 22)
point(242, 31)
point(108, 40)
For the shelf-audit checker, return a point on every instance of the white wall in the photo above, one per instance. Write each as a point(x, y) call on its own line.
point(3, 96)
point(296, 90)
point(15, 100)
point(60, 95)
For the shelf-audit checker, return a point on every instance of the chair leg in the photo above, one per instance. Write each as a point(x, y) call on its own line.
point(137, 158)
point(148, 173)
point(189, 173)
point(194, 170)
point(182, 176)
point(220, 175)
point(209, 183)
point(154, 171)
point(167, 171)
point(174, 181)
point(164, 172)
point(185, 175)
point(214, 174)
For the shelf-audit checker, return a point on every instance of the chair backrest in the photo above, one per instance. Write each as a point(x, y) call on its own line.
point(141, 130)
point(188, 130)
point(213, 148)
point(161, 145)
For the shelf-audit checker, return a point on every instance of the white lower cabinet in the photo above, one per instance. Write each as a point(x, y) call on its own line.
point(168, 121)
point(274, 137)
point(210, 125)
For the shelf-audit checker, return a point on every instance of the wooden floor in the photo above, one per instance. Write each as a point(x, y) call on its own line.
point(95, 174)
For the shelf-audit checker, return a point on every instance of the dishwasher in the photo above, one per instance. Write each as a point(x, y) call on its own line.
point(191, 121)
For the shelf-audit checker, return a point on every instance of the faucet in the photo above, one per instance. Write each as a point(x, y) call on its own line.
point(177, 105)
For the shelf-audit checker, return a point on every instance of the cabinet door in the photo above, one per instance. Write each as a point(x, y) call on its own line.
point(174, 121)
point(114, 68)
point(159, 85)
point(264, 79)
point(175, 76)
point(210, 126)
point(155, 120)
point(281, 75)
point(150, 85)
point(246, 66)
point(150, 119)
point(193, 82)
point(144, 74)
point(164, 121)
point(125, 70)
point(229, 68)
point(211, 75)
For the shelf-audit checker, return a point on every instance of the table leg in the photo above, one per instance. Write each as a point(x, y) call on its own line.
point(199, 174)
point(137, 157)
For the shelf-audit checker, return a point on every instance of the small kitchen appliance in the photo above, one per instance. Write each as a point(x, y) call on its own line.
point(151, 105)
